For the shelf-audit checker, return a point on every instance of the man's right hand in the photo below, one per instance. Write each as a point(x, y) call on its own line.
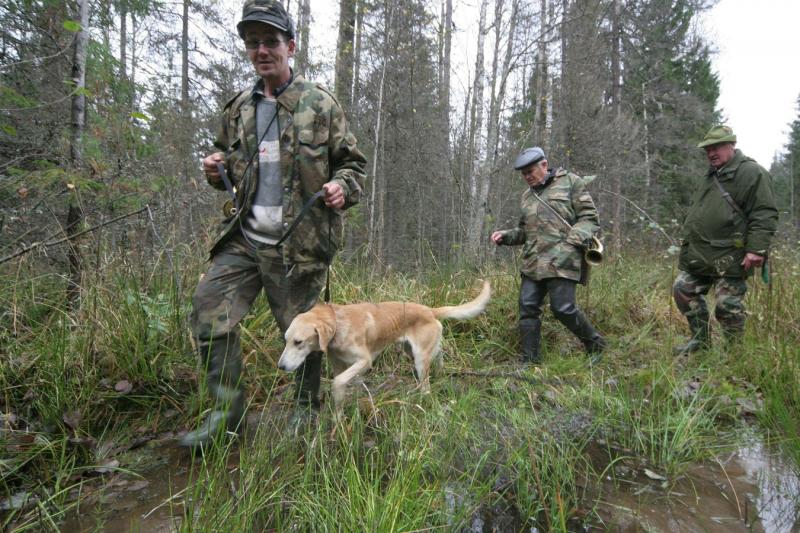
point(497, 237)
point(210, 167)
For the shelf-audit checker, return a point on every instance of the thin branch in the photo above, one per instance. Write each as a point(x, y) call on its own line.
point(644, 213)
point(65, 239)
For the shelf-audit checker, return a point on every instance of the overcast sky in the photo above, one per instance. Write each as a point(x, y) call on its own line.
point(758, 45)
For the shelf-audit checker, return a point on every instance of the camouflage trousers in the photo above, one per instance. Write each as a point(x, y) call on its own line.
point(237, 274)
point(689, 291)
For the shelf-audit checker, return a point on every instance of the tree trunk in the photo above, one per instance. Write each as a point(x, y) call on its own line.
point(476, 135)
point(446, 40)
point(185, 140)
point(498, 83)
point(357, 63)
point(74, 212)
point(563, 130)
point(303, 24)
point(123, 40)
point(538, 126)
point(616, 102)
point(377, 193)
point(79, 86)
point(344, 53)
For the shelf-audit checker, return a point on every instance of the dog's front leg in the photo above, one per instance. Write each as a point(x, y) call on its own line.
point(340, 382)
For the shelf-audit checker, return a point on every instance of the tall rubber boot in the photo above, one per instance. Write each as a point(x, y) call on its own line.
point(223, 372)
point(593, 342)
point(562, 300)
point(306, 394)
point(700, 340)
point(530, 337)
point(225, 417)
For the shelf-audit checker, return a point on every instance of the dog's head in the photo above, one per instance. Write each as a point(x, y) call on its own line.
point(307, 333)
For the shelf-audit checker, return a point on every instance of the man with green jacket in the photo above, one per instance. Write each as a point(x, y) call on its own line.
point(725, 236)
point(558, 221)
point(280, 143)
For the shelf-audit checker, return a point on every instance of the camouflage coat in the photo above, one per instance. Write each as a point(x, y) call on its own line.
point(715, 237)
point(316, 146)
point(550, 248)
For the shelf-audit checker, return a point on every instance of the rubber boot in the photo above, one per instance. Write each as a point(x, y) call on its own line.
point(530, 336)
point(579, 325)
point(223, 363)
point(225, 418)
point(306, 395)
point(562, 303)
point(700, 340)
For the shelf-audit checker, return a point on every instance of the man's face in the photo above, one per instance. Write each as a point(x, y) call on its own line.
point(719, 154)
point(534, 173)
point(271, 58)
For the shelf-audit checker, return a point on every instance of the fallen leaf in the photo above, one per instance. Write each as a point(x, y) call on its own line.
point(123, 387)
point(139, 485)
point(17, 501)
point(87, 442)
point(72, 419)
point(652, 475)
point(109, 465)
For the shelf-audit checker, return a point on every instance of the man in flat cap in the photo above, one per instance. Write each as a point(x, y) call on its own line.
point(279, 142)
point(725, 236)
point(553, 251)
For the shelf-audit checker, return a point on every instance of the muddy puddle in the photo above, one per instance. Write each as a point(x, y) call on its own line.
point(750, 489)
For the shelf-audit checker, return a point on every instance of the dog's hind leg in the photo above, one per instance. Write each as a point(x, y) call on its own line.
point(425, 345)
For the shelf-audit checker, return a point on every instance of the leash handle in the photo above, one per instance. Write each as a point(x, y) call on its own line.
point(229, 187)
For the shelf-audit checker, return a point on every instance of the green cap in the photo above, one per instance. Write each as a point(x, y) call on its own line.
point(717, 135)
point(269, 12)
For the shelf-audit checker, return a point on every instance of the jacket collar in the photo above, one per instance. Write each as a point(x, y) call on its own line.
point(726, 171)
point(290, 96)
point(552, 173)
point(288, 93)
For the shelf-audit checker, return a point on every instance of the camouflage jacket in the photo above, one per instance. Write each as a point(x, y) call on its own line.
point(715, 237)
point(551, 249)
point(316, 146)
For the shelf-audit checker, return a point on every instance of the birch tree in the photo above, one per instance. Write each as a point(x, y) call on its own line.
point(476, 151)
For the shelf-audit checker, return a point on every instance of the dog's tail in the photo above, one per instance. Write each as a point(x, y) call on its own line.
point(467, 310)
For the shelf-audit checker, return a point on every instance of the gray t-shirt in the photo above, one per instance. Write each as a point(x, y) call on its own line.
point(264, 222)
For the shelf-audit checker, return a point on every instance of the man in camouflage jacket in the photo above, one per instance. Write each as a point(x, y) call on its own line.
point(281, 142)
point(552, 251)
point(725, 236)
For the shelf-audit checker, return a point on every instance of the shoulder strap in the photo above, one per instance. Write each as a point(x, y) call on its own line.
point(727, 196)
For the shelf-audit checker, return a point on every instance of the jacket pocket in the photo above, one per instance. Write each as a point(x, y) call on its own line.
point(312, 158)
point(721, 257)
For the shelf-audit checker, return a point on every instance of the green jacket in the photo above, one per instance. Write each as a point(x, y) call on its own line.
point(316, 146)
point(551, 249)
point(715, 237)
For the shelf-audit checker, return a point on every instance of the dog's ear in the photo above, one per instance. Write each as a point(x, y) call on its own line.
point(325, 334)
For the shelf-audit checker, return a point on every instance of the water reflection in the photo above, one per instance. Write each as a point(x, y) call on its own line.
point(778, 497)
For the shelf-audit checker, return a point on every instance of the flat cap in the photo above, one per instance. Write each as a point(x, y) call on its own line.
point(717, 135)
point(269, 12)
point(528, 156)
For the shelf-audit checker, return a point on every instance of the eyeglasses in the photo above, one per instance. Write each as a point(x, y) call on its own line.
point(255, 44)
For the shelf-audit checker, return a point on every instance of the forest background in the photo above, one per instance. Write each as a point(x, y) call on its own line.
point(108, 106)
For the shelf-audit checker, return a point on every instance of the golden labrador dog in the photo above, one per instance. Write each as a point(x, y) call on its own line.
point(354, 335)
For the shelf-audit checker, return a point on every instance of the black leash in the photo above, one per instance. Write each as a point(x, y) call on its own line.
point(299, 218)
point(296, 222)
point(303, 212)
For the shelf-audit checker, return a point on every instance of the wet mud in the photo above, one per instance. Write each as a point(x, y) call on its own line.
point(750, 489)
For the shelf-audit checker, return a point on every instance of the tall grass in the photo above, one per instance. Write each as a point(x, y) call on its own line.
point(494, 444)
